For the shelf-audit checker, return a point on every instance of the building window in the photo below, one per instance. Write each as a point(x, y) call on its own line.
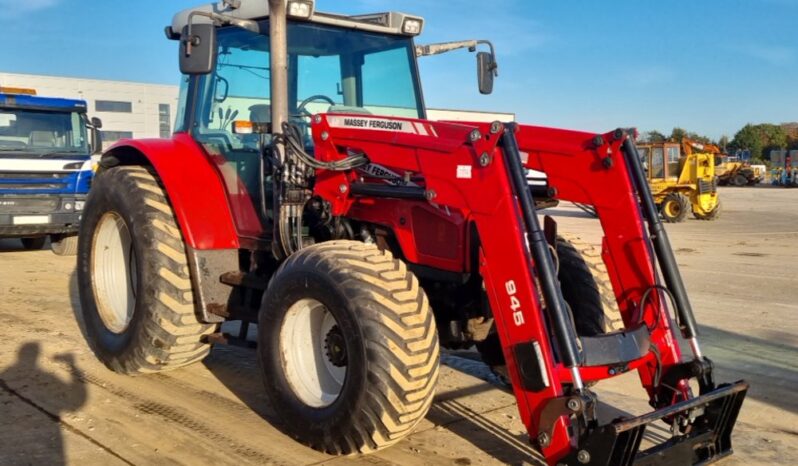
point(164, 120)
point(113, 106)
point(113, 136)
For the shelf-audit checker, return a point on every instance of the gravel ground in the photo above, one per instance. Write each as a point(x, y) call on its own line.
point(58, 405)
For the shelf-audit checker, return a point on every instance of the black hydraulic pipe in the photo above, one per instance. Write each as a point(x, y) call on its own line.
point(662, 245)
point(547, 273)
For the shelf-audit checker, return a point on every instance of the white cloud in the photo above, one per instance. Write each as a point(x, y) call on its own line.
point(10, 8)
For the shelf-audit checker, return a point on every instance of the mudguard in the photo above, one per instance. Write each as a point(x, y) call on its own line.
point(192, 183)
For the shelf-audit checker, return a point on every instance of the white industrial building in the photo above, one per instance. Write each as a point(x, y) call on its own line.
point(143, 110)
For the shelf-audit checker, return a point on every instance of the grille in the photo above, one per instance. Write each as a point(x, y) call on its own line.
point(34, 176)
point(11, 205)
point(32, 181)
point(706, 187)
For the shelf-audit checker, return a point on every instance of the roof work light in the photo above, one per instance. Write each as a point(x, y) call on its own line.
point(301, 9)
point(412, 26)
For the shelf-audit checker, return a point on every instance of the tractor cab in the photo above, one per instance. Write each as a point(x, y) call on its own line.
point(663, 161)
point(349, 65)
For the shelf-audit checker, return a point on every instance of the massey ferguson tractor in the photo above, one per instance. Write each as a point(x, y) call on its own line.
point(306, 191)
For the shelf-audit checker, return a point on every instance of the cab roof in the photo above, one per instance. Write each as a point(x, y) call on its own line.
point(386, 23)
point(32, 102)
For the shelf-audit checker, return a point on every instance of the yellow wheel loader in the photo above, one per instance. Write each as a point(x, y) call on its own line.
point(681, 183)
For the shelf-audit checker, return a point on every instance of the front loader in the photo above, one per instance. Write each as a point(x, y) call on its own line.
point(305, 191)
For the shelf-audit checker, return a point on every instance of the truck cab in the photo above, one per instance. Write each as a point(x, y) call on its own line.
point(46, 147)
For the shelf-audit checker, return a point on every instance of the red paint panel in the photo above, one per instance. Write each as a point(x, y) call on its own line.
point(194, 187)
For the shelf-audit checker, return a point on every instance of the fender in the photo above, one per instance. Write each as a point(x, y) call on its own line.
point(192, 183)
point(200, 202)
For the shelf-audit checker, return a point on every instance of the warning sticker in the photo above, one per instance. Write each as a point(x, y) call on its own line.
point(464, 172)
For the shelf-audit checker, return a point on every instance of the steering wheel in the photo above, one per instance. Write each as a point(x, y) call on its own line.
point(302, 106)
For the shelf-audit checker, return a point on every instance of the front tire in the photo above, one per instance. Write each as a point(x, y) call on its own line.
point(64, 245)
point(137, 303)
point(348, 348)
point(675, 207)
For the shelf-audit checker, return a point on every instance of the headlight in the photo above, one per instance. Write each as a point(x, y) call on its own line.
point(79, 205)
point(412, 26)
point(300, 9)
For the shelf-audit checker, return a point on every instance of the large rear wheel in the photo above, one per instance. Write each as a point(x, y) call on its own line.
point(348, 347)
point(137, 303)
point(586, 287)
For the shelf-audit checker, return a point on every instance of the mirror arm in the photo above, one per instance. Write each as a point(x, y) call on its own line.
point(446, 47)
point(218, 19)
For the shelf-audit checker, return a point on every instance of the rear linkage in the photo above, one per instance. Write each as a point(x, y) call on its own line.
point(701, 426)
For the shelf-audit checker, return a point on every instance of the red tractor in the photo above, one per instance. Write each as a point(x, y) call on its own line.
point(305, 191)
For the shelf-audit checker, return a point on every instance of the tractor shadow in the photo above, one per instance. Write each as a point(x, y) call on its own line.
point(770, 366)
point(237, 369)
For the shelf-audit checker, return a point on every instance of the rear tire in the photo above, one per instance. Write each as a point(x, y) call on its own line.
point(137, 303)
point(675, 207)
point(587, 290)
point(64, 245)
point(713, 215)
point(348, 348)
point(740, 180)
point(33, 244)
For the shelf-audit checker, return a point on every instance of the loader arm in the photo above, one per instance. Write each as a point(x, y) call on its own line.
point(474, 171)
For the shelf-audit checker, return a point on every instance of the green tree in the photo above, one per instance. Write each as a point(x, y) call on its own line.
point(678, 134)
point(653, 136)
point(760, 139)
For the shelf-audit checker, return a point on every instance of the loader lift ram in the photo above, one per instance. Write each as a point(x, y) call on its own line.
point(306, 191)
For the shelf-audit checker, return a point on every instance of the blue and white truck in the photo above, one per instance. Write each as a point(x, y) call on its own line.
point(46, 167)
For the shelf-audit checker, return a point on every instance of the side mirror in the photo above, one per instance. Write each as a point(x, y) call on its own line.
point(486, 71)
point(96, 136)
point(198, 49)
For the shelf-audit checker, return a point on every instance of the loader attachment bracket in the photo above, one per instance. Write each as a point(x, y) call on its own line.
point(701, 431)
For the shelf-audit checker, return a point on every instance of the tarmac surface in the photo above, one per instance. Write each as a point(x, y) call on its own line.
point(58, 405)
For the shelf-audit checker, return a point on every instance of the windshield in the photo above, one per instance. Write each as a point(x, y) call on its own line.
point(330, 70)
point(35, 133)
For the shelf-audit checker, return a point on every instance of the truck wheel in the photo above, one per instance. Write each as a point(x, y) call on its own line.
point(137, 303)
point(714, 214)
point(33, 244)
point(348, 348)
point(587, 289)
point(675, 207)
point(740, 180)
point(64, 245)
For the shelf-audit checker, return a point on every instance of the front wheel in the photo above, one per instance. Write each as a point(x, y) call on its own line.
point(675, 207)
point(137, 301)
point(348, 348)
point(64, 245)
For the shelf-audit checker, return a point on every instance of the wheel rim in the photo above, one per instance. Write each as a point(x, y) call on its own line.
point(673, 209)
point(313, 353)
point(114, 267)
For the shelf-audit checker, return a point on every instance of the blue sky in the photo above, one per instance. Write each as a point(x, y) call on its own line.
point(710, 66)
